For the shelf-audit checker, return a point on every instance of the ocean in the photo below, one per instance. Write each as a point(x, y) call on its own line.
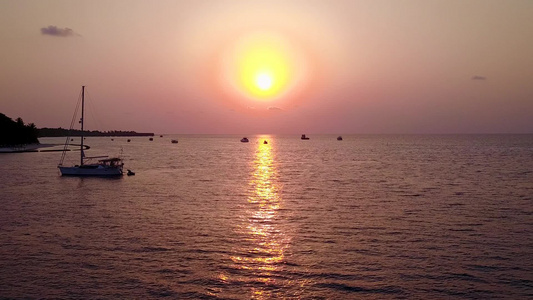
point(369, 217)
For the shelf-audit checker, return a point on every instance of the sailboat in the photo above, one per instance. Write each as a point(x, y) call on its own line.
point(104, 166)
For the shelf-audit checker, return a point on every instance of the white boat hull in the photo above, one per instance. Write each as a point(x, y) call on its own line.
point(77, 171)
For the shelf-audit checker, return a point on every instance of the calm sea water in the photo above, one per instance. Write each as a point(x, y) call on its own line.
point(370, 217)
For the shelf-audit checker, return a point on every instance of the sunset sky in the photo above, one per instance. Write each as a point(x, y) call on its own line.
point(282, 67)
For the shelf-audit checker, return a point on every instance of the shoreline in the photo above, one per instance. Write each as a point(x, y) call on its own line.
point(27, 148)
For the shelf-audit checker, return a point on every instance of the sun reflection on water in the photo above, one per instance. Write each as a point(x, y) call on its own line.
point(263, 251)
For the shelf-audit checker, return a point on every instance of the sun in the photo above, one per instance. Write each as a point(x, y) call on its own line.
point(263, 81)
point(260, 66)
point(264, 70)
point(265, 67)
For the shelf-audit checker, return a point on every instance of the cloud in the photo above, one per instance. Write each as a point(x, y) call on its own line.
point(273, 108)
point(476, 77)
point(56, 31)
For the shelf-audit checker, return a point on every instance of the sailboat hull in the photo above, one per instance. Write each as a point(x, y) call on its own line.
point(107, 167)
point(101, 172)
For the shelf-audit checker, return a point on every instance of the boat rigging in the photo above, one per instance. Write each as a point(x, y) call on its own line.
point(103, 167)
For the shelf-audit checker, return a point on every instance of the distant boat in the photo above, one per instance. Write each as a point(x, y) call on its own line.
point(103, 167)
point(161, 136)
point(265, 142)
point(244, 140)
point(174, 141)
point(304, 137)
point(151, 139)
point(129, 140)
point(339, 138)
point(130, 172)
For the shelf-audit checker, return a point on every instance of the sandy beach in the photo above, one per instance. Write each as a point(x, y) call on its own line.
point(25, 148)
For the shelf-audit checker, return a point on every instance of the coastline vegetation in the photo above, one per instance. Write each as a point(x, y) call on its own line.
point(56, 132)
point(15, 133)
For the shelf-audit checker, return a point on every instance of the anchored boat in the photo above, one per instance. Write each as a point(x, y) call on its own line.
point(104, 166)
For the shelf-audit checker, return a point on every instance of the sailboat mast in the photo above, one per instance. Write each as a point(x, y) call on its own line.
point(81, 121)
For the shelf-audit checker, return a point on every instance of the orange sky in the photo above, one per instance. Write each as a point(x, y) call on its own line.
point(325, 66)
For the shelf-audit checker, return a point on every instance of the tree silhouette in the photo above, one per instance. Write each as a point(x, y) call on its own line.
point(14, 133)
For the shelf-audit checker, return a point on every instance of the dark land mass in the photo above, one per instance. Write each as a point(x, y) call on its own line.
point(54, 132)
point(16, 132)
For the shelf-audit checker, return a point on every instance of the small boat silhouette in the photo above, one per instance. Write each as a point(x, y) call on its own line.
point(265, 142)
point(304, 137)
point(339, 138)
point(244, 140)
point(174, 141)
